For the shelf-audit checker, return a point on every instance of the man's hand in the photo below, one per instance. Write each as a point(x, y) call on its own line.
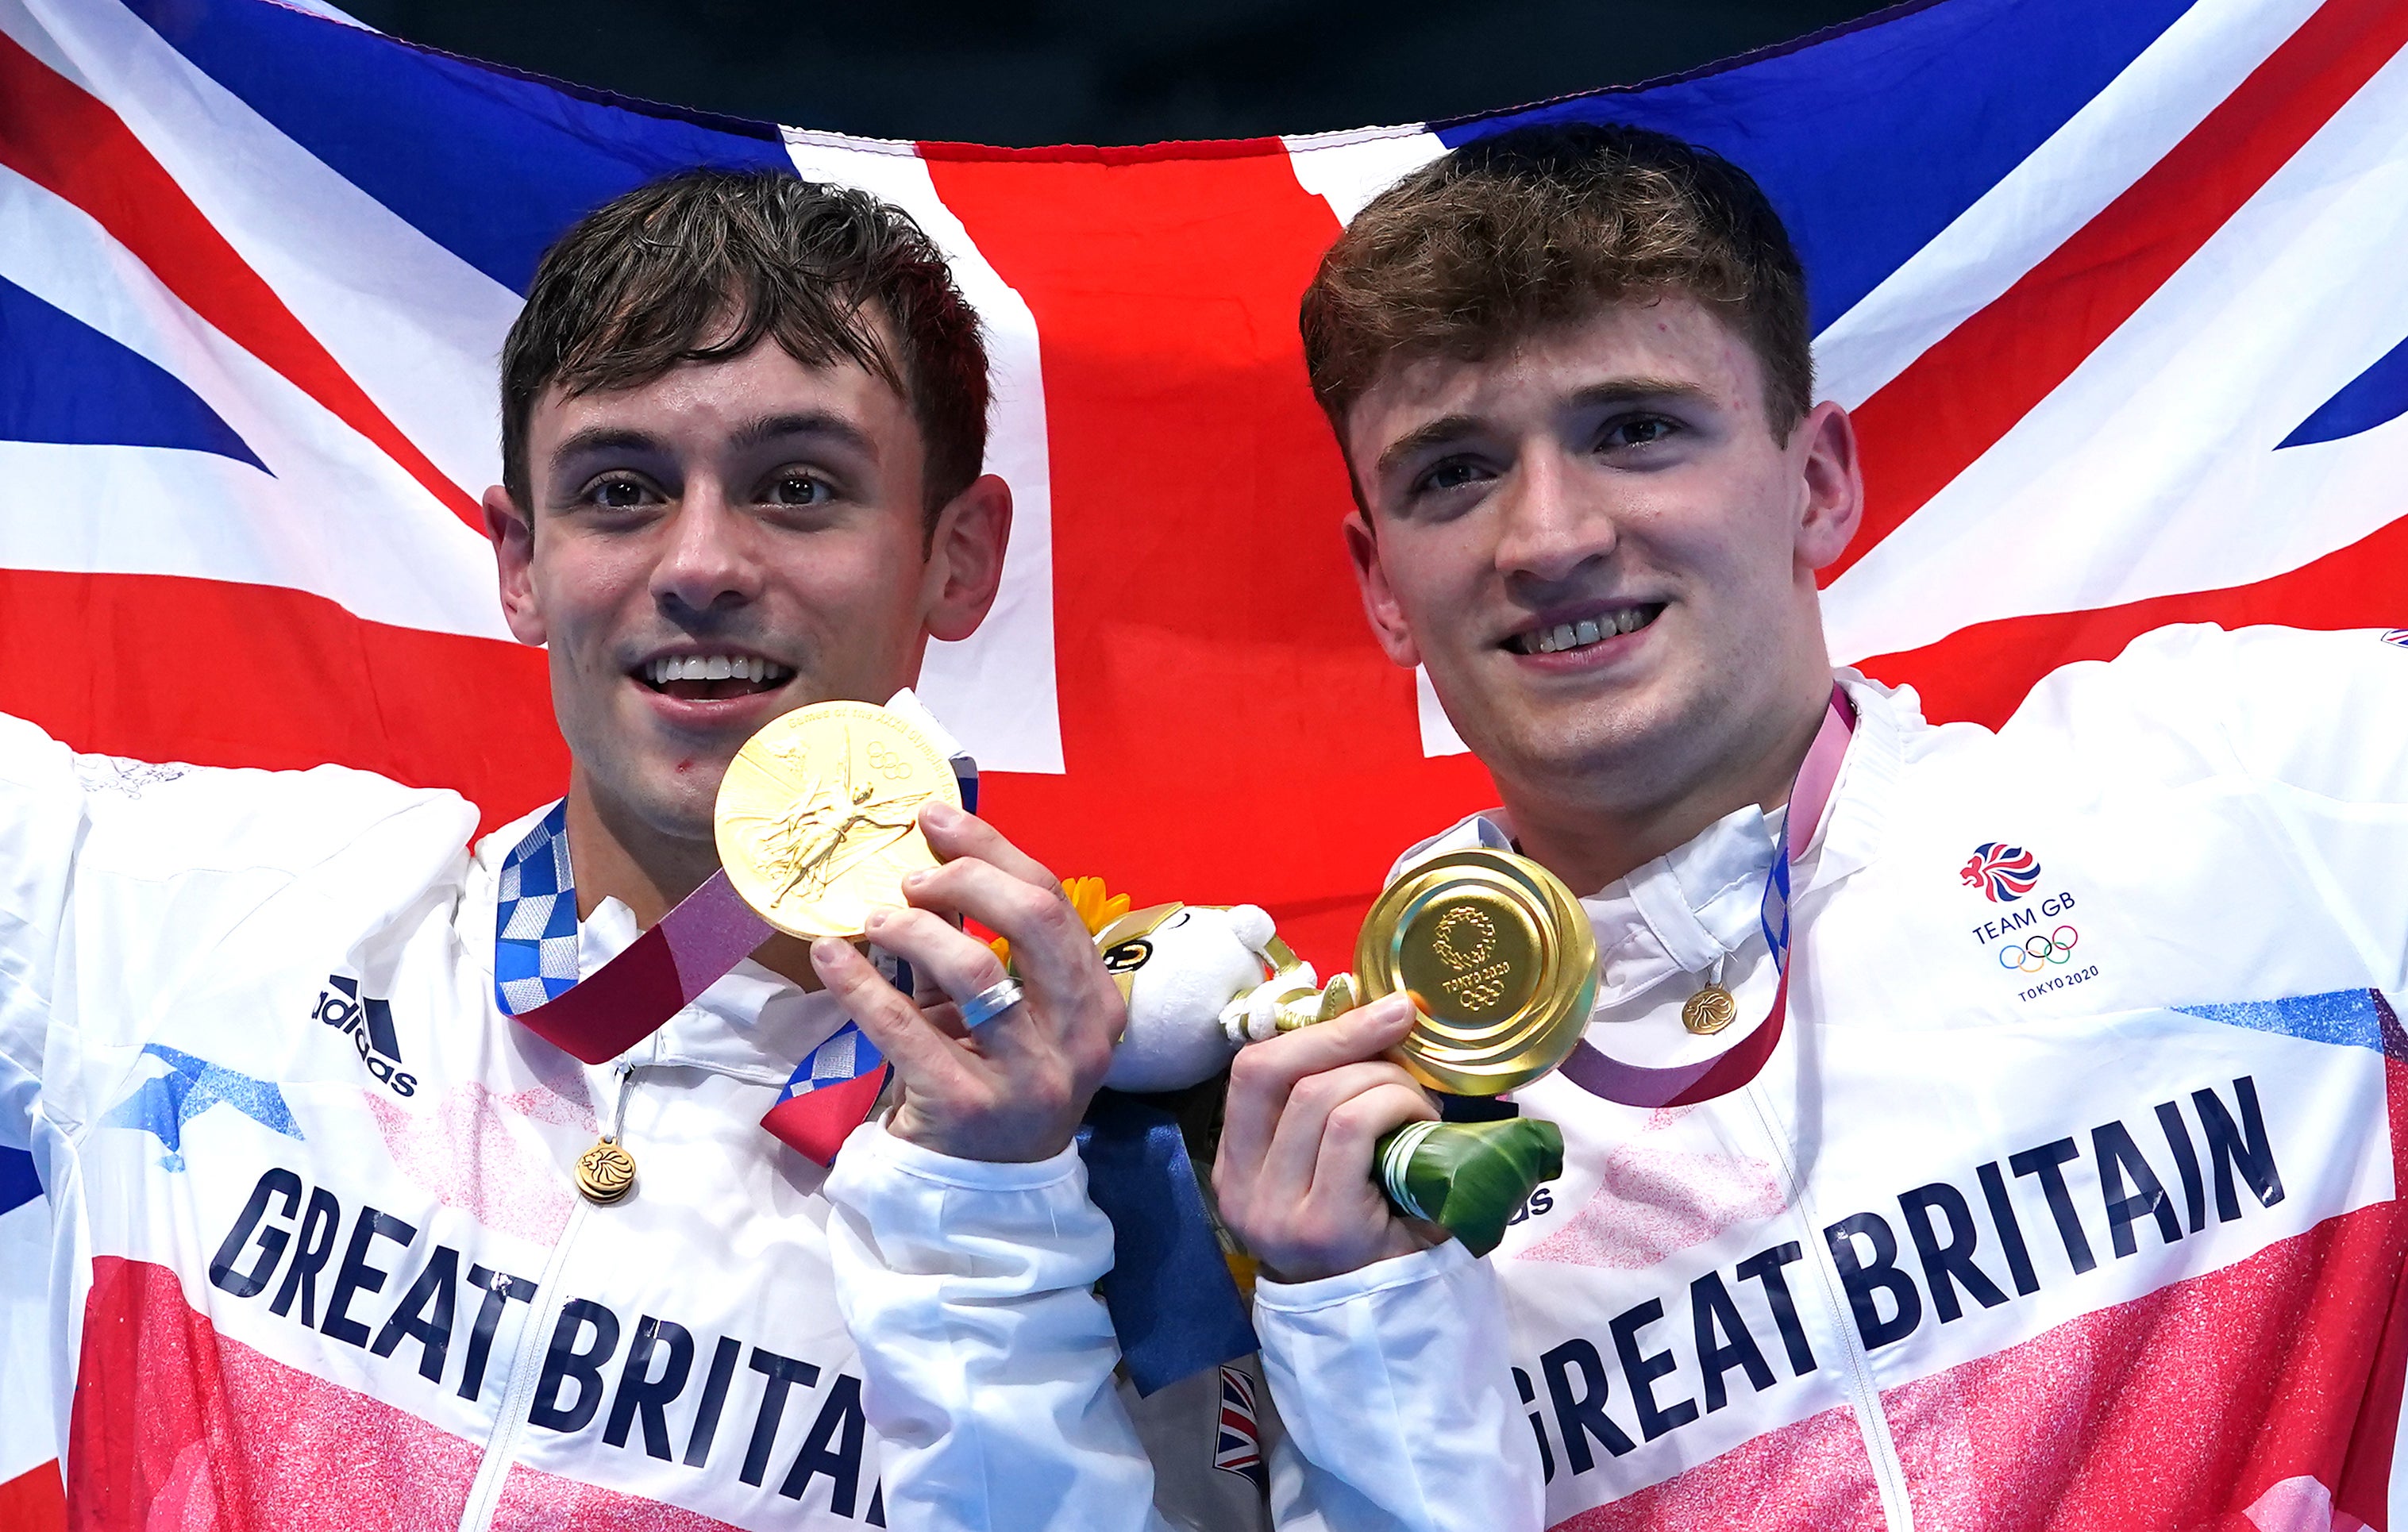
point(1016, 1088)
point(1294, 1179)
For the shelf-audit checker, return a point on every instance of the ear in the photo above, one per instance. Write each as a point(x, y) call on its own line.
point(1379, 602)
point(512, 534)
point(1832, 499)
point(966, 559)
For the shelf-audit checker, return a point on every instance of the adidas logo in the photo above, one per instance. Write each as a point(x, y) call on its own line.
point(368, 1022)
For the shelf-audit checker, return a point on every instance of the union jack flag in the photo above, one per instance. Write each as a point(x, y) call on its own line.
point(2113, 289)
point(1237, 1447)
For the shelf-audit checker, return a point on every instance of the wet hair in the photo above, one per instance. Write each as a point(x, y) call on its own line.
point(704, 265)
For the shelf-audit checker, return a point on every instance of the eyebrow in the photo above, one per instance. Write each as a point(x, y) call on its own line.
point(811, 423)
point(1451, 428)
point(599, 439)
point(604, 439)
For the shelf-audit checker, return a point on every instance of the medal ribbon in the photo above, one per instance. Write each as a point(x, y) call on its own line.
point(660, 973)
point(1633, 1085)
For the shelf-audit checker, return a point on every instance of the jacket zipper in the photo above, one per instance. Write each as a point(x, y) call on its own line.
point(519, 1398)
point(527, 1359)
point(1881, 1449)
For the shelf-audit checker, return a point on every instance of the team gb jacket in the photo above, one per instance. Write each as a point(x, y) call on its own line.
point(319, 1259)
point(2070, 1200)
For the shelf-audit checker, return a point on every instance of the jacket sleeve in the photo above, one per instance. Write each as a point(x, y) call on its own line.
point(42, 823)
point(968, 1288)
point(119, 879)
point(1396, 1401)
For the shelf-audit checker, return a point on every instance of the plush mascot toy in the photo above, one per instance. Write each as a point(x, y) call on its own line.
point(1203, 981)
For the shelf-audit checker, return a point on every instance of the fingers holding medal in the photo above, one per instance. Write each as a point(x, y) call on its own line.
point(842, 821)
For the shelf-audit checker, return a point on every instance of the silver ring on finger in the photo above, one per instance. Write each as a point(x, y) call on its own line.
point(991, 1002)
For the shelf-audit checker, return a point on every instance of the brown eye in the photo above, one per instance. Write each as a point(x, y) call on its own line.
point(618, 494)
point(797, 489)
point(1448, 476)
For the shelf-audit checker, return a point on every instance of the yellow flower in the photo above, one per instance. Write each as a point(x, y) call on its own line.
point(1096, 909)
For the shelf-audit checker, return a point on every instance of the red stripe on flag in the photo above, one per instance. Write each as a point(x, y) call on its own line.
point(58, 137)
point(1230, 730)
point(1953, 403)
point(214, 674)
point(1980, 674)
point(34, 1500)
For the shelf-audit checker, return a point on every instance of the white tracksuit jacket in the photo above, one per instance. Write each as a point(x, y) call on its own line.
point(319, 1261)
point(2071, 1198)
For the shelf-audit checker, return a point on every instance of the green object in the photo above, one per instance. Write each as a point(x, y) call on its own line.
point(1469, 1178)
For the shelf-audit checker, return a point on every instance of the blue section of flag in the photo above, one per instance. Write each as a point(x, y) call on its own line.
point(491, 164)
point(1873, 139)
point(2346, 1017)
point(61, 381)
point(19, 1186)
point(2375, 397)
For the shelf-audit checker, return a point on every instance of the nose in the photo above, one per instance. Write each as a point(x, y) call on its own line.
point(1554, 526)
point(707, 564)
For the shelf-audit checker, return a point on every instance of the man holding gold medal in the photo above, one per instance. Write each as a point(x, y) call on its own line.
point(1972, 1130)
point(398, 1184)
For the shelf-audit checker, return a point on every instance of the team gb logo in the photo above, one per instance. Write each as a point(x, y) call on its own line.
point(2003, 873)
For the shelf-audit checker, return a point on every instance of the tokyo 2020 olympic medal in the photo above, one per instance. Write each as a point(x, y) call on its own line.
point(818, 816)
point(1500, 959)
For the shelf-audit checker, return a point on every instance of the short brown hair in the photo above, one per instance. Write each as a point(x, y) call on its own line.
point(702, 266)
point(1539, 226)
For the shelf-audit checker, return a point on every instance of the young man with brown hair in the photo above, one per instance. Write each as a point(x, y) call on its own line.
point(2050, 1173)
point(323, 1250)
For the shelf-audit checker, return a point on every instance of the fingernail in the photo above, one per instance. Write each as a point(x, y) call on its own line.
point(943, 815)
point(876, 917)
point(826, 949)
point(1392, 1010)
point(916, 879)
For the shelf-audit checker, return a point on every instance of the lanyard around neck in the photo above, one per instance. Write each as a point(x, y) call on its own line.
point(1681, 1085)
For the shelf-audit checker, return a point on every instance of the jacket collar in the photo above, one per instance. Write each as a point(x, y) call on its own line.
point(1688, 909)
point(751, 1022)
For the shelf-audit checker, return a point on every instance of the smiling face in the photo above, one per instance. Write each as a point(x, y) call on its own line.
point(1604, 556)
point(718, 545)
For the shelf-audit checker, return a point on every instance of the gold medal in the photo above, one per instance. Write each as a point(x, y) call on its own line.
point(1501, 961)
point(1709, 1010)
point(605, 1173)
point(818, 816)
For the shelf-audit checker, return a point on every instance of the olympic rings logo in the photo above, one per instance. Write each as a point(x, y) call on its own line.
point(2036, 953)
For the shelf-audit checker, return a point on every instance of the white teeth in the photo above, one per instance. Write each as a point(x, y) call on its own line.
point(713, 668)
point(1564, 636)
